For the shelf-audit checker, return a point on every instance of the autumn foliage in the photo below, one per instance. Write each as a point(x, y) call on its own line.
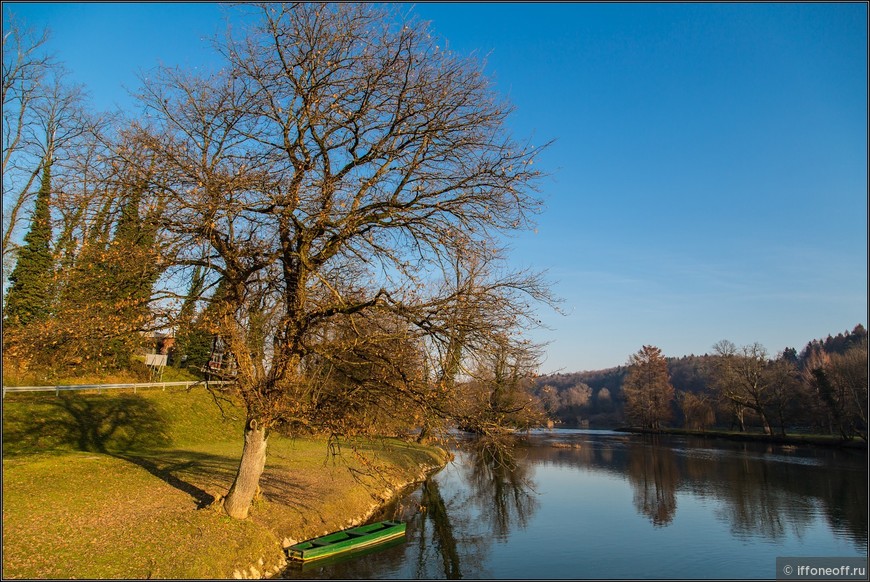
point(647, 389)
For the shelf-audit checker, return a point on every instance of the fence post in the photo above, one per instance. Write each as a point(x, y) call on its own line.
point(56, 391)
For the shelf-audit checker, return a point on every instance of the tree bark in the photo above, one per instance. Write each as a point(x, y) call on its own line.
point(739, 413)
point(237, 503)
point(768, 430)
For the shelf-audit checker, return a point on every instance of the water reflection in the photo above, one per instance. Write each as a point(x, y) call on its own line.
point(654, 477)
point(442, 537)
point(497, 500)
point(766, 491)
point(449, 536)
point(499, 497)
point(501, 485)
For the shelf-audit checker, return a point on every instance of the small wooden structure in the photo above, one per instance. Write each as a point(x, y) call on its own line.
point(156, 364)
point(221, 363)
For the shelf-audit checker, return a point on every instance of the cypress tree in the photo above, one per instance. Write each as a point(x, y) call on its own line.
point(126, 271)
point(31, 292)
point(135, 238)
point(103, 304)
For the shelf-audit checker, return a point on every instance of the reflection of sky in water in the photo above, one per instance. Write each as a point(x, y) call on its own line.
point(621, 507)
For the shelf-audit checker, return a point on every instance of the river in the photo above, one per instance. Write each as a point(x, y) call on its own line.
point(601, 504)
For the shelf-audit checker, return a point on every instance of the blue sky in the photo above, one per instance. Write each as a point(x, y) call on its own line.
point(708, 178)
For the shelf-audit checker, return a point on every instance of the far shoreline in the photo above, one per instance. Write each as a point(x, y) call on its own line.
point(796, 440)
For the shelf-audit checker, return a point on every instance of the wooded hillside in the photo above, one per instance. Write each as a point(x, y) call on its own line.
point(822, 388)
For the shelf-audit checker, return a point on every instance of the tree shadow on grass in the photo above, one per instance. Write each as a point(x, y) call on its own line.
point(127, 427)
point(191, 472)
point(81, 422)
point(278, 486)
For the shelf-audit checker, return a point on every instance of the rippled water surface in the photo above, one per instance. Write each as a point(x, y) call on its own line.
point(600, 504)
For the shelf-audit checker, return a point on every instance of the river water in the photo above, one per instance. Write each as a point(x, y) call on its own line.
point(601, 504)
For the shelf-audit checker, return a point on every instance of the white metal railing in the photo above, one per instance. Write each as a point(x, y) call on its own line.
point(100, 387)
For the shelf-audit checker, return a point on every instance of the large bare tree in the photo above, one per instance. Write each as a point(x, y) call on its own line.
point(43, 122)
point(338, 180)
point(25, 68)
point(840, 381)
point(742, 377)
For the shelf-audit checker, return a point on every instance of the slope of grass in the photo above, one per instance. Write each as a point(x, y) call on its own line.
point(119, 486)
point(139, 373)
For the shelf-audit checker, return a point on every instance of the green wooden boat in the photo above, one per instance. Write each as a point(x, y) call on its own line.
point(347, 540)
point(341, 558)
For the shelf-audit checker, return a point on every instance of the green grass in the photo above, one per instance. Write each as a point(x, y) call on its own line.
point(132, 376)
point(118, 486)
point(141, 375)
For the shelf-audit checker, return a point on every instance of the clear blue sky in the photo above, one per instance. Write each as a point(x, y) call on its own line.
point(709, 175)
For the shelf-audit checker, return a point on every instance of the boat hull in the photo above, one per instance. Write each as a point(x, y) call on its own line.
point(346, 540)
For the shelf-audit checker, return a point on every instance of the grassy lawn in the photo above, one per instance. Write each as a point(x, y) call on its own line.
point(39, 378)
point(119, 486)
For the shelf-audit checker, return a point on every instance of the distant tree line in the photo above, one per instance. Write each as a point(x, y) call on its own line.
point(821, 389)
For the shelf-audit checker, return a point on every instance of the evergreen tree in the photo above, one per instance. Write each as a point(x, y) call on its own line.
point(134, 243)
point(30, 296)
point(115, 279)
point(186, 335)
point(196, 338)
point(103, 294)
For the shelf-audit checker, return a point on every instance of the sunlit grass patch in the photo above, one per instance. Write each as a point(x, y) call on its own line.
point(137, 506)
point(97, 516)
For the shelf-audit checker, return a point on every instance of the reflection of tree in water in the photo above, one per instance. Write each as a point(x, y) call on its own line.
point(497, 494)
point(846, 504)
point(653, 474)
point(759, 501)
point(501, 484)
point(442, 535)
point(762, 493)
point(766, 491)
point(771, 491)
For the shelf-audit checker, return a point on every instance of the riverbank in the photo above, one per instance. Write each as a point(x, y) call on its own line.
point(813, 440)
point(120, 486)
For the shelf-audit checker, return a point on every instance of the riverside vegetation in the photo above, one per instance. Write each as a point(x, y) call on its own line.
point(124, 485)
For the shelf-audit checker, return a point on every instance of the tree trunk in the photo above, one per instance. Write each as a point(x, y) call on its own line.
point(765, 423)
point(238, 501)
